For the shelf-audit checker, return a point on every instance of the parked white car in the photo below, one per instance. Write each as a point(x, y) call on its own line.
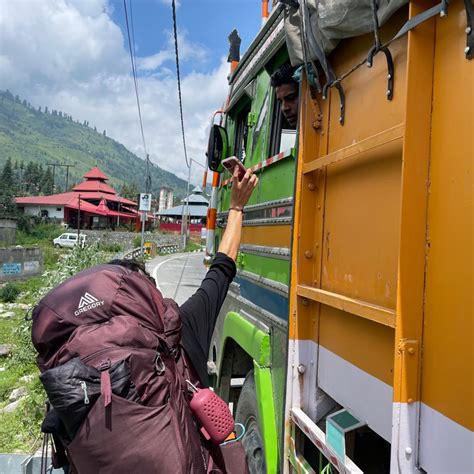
point(69, 239)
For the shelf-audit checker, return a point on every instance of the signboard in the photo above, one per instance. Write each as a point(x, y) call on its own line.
point(31, 266)
point(145, 202)
point(11, 268)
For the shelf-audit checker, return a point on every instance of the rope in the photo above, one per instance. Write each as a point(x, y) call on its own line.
point(175, 30)
point(134, 73)
point(375, 22)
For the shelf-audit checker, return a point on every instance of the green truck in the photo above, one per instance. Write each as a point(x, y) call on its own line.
point(248, 353)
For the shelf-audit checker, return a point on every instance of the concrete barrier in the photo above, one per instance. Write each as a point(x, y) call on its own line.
point(20, 262)
point(7, 231)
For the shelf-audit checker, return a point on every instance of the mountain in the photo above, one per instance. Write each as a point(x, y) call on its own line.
point(50, 136)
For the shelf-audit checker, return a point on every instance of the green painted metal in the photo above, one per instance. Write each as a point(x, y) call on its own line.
point(275, 182)
point(268, 267)
point(259, 131)
point(253, 341)
point(264, 388)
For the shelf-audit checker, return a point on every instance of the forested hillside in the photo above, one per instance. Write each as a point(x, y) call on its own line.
point(35, 138)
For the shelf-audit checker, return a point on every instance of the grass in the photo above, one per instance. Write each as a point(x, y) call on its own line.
point(191, 246)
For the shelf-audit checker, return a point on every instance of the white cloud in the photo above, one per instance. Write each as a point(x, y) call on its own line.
point(69, 55)
point(187, 51)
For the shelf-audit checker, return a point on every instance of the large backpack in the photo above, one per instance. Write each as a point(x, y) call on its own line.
point(101, 325)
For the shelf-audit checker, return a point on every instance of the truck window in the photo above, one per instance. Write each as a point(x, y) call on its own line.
point(241, 133)
point(283, 135)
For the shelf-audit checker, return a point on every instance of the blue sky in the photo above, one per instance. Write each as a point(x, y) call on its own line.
point(72, 55)
point(206, 23)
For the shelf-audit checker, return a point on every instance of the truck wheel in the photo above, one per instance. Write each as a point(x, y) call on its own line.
point(247, 414)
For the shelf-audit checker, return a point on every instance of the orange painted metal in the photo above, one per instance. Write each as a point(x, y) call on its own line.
point(447, 382)
point(411, 258)
point(264, 9)
point(270, 236)
point(211, 218)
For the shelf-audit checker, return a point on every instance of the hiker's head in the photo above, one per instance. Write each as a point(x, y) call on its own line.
point(133, 265)
point(286, 89)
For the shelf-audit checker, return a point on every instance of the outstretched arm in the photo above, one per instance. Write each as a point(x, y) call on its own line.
point(199, 313)
point(240, 194)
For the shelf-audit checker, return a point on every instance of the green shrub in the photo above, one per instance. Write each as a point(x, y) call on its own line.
point(9, 293)
point(112, 248)
point(137, 241)
point(37, 234)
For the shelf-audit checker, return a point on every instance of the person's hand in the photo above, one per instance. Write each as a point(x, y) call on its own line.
point(242, 190)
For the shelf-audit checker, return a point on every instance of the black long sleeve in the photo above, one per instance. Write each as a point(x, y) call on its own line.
point(199, 313)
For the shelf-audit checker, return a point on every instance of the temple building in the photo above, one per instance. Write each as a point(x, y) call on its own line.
point(97, 203)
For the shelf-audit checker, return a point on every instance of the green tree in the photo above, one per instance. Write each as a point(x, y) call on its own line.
point(129, 190)
point(47, 182)
point(7, 191)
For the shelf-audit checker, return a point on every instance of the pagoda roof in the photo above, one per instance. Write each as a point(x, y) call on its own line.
point(64, 199)
point(103, 208)
point(94, 185)
point(96, 173)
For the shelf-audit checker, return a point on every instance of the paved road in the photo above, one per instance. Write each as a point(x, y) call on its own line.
point(178, 276)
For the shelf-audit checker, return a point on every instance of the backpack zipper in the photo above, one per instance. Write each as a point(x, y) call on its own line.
point(84, 388)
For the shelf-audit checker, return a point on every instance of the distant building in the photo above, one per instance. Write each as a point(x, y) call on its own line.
point(196, 210)
point(166, 199)
point(98, 203)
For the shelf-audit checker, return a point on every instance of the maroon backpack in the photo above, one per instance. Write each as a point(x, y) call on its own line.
point(114, 323)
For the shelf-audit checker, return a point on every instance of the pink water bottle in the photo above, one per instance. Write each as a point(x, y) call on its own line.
point(212, 413)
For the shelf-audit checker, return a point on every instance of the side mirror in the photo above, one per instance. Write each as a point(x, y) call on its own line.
point(217, 148)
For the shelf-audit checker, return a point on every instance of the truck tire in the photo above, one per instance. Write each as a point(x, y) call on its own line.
point(247, 414)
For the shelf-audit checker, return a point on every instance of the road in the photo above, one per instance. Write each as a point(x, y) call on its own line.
point(178, 276)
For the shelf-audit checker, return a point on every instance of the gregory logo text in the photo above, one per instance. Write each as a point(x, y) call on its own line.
point(87, 302)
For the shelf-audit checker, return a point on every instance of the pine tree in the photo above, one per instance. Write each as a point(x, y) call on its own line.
point(7, 191)
point(47, 182)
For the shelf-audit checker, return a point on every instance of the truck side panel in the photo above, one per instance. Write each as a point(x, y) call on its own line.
point(447, 386)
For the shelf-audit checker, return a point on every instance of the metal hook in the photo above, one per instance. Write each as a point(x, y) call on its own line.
point(469, 50)
point(377, 48)
point(390, 69)
point(342, 98)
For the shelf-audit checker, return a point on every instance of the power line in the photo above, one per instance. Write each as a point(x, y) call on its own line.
point(179, 81)
point(134, 73)
point(131, 45)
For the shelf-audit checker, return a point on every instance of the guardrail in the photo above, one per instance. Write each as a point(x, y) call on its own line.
point(132, 254)
point(168, 248)
point(161, 249)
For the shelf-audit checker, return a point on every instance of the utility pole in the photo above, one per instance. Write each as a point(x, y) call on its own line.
point(184, 217)
point(63, 166)
point(67, 176)
point(185, 220)
point(78, 218)
point(118, 214)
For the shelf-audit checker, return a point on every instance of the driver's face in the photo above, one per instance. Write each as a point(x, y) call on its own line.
point(287, 95)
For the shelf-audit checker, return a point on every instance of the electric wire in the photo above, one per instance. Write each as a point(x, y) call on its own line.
point(175, 31)
point(131, 45)
point(134, 74)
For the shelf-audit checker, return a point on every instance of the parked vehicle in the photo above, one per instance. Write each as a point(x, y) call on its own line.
point(355, 347)
point(69, 240)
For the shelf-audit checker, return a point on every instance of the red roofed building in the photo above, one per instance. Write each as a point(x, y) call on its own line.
point(97, 202)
